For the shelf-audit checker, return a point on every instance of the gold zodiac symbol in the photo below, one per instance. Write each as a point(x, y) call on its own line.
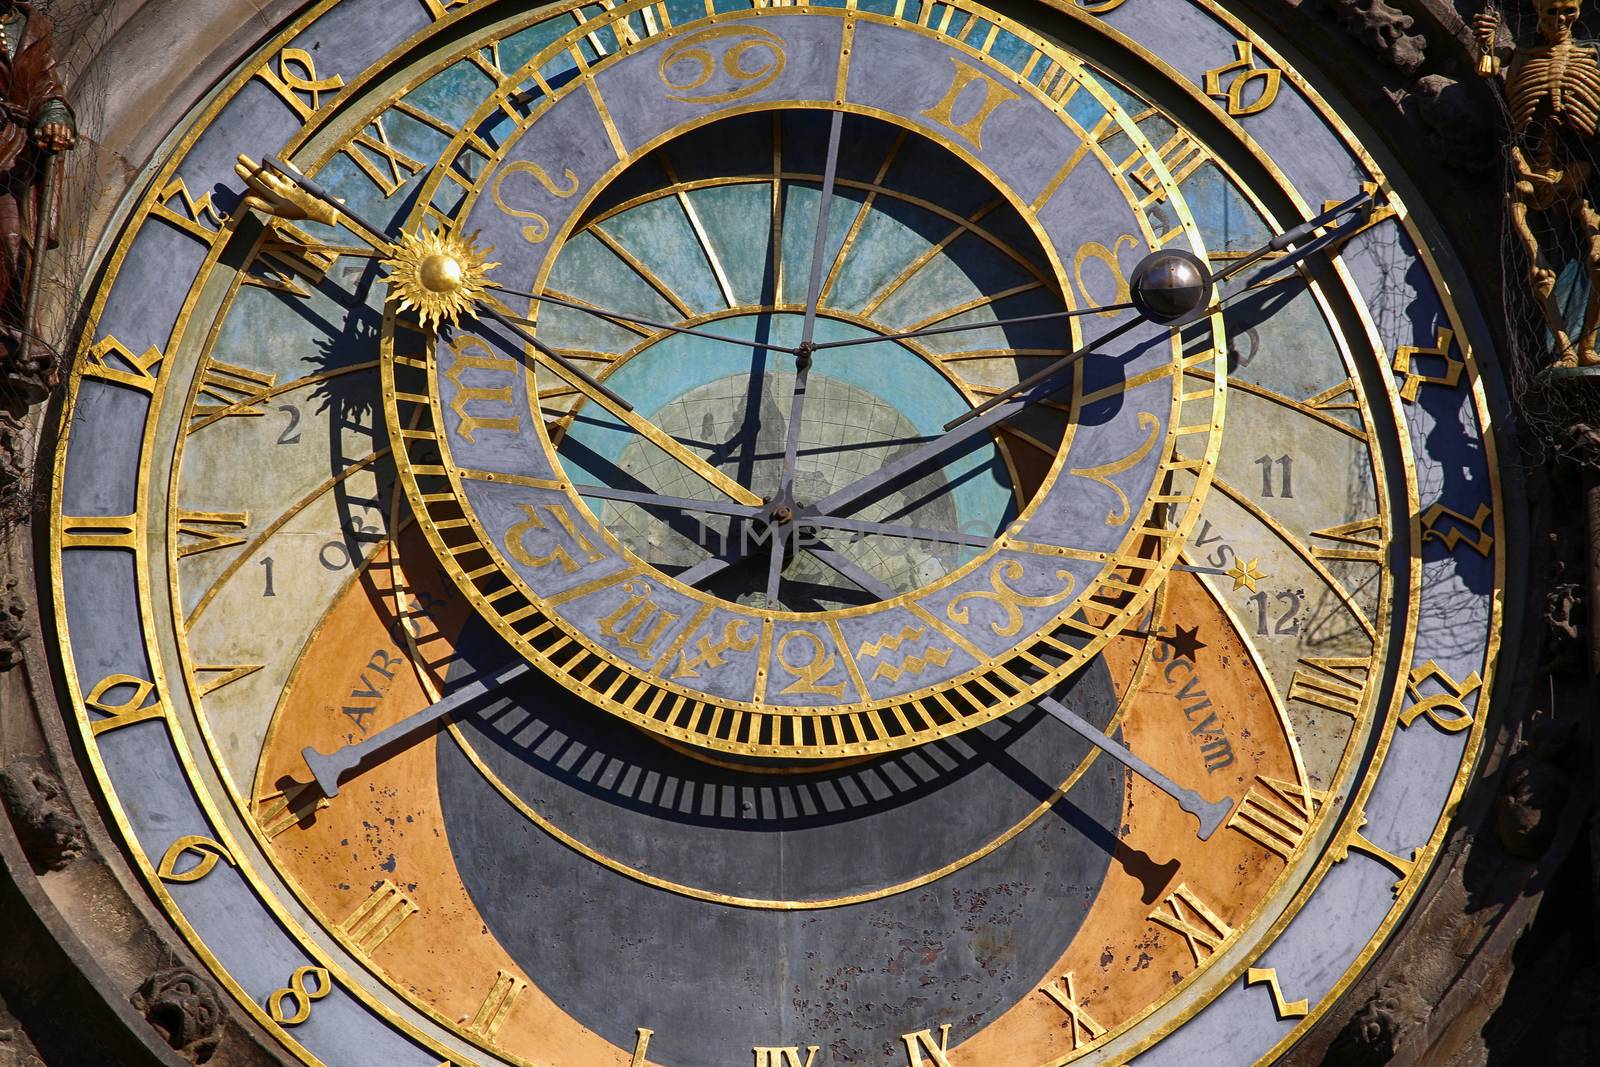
point(1108, 256)
point(1007, 599)
point(809, 674)
point(714, 654)
point(1119, 515)
point(538, 227)
point(692, 53)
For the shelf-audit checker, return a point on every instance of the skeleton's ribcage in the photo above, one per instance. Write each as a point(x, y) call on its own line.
point(1561, 88)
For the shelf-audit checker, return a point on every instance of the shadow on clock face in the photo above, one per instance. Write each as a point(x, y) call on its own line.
point(853, 941)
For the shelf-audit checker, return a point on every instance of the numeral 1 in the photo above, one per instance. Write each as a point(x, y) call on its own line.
point(1286, 479)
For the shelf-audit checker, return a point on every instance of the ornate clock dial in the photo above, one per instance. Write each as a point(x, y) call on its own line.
point(782, 775)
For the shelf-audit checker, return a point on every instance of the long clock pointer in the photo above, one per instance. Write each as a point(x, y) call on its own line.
point(329, 768)
point(602, 313)
point(1210, 814)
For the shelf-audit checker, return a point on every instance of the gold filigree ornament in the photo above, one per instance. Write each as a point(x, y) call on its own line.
point(438, 275)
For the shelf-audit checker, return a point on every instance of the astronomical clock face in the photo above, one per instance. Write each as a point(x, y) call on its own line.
point(683, 533)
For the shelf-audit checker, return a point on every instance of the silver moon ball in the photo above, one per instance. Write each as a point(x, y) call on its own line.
point(1171, 285)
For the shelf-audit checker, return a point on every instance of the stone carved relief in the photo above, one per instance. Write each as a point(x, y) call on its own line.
point(186, 1009)
point(1382, 1028)
point(48, 828)
point(13, 627)
point(1386, 30)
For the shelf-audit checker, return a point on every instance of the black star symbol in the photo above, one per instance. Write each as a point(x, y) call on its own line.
point(1185, 643)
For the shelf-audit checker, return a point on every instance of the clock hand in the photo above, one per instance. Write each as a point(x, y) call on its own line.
point(934, 331)
point(620, 409)
point(328, 769)
point(677, 503)
point(1199, 291)
point(604, 314)
point(1210, 814)
point(802, 364)
point(282, 187)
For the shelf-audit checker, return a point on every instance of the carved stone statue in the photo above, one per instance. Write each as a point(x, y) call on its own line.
point(36, 123)
point(1553, 86)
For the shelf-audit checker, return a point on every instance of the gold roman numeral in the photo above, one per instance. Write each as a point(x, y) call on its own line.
point(491, 1014)
point(387, 166)
point(1082, 1028)
point(922, 1041)
point(1361, 541)
point(379, 916)
point(212, 530)
point(1276, 815)
point(773, 1056)
point(277, 812)
point(1202, 929)
point(1181, 155)
point(1333, 683)
point(229, 390)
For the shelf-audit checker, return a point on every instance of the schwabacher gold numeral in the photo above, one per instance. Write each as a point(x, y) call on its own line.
point(143, 703)
point(1446, 710)
point(1202, 929)
point(1235, 94)
point(205, 853)
point(291, 1005)
point(989, 98)
point(630, 626)
point(1082, 1027)
point(1406, 366)
point(1455, 525)
point(136, 372)
point(195, 212)
point(295, 79)
point(1286, 1008)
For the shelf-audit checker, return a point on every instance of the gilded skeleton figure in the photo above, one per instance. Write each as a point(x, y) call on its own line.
point(1553, 86)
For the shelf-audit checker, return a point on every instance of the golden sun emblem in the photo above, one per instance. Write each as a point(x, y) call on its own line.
point(438, 275)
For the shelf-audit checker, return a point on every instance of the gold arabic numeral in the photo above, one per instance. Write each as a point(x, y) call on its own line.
point(225, 674)
point(440, 8)
point(538, 227)
point(379, 916)
point(1353, 838)
point(288, 258)
point(1333, 683)
point(295, 80)
point(1454, 535)
point(388, 167)
point(491, 1014)
point(487, 362)
point(226, 389)
point(1181, 155)
point(779, 1056)
point(1361, 541)
point(990, 96)
point(1277, 815)
point(291, 1005)
point(810, 672)
point(142, 704)
point(1235, 94)
point(1008, 600)
point(1447, 710)
point(641, 1046)
point(193, 213)
point(710, 654)
point(923, 1041)
point(277, 812)
point(1406, 359)
point(1286, 1008)
point(631, 624)
point(99, 531)
point(1201, 928)
point(1081, 1026)
point(211, 529)
point(136, 372)
point(203, 850)
point(1094, 251)
point(517, 536)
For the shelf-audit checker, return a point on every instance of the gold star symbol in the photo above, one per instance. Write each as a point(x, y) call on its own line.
point(1246, 575)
